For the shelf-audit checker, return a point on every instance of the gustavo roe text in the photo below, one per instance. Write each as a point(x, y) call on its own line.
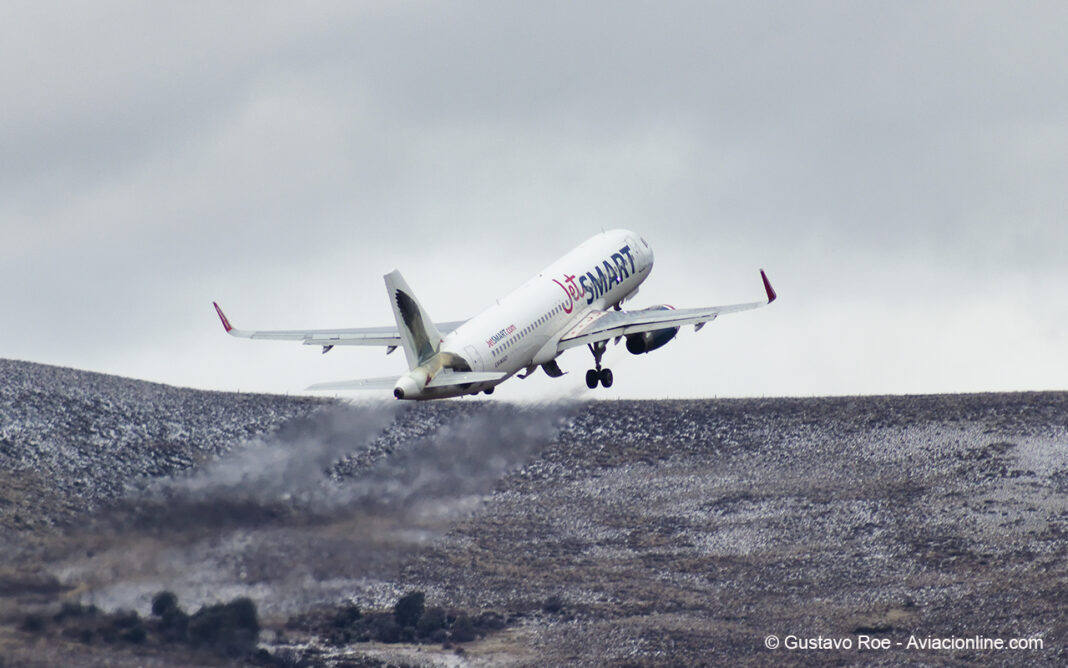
point(866, 642)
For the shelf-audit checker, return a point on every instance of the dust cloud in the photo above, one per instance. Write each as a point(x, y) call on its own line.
point(291, 465)
point(327, 507)
point(302, 465)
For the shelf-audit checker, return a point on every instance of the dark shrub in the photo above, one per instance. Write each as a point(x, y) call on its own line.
point(32, 624)
point(432, 620)
point(174, 625)
point(125, 619)
point(68, 610)
point(339, 638)
point(134, 635)
point(231, 628)
point(162, 602)
point(108, 634)
point(385, 629)
point(346, 616)
point(553, 604)
point(490, 621)
point(409, 608)
point(441, 636)
point(463, 630)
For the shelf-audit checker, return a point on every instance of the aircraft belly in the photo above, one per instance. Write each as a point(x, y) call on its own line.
point(547, 353)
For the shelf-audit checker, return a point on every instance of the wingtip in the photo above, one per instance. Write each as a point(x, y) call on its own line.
point(767, 287)
point(222, 316)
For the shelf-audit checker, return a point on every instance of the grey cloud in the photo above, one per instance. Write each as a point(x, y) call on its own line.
point(153, 152)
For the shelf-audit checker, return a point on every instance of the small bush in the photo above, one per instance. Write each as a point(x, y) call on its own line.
point(385, 629)
point(440, 636)
point(490, 621)
point(174, 625)
point(432, 620)
point(229, 628)
point(68, 610)
point(108, 634)
point(463, 629)
point(163, 602)
point(553, 605)
point(346, 616)
point(135, 635)
point(123, 619)
point(32, 624)
point(409, 608)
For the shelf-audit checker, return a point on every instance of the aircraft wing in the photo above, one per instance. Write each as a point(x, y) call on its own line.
point(604, 325)
point(364, 336)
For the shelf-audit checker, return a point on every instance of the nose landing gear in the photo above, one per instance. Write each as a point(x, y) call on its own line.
point(597, 374)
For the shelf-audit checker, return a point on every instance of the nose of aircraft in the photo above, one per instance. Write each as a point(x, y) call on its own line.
point(645, 252)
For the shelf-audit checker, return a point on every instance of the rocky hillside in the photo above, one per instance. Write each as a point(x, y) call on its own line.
point(586, 533)
point(72, 440)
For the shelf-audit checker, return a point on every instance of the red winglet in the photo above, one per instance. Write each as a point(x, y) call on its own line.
point(767, 287)
point(222, 316)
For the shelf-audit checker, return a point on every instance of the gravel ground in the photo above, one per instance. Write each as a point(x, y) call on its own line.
point(606, 533)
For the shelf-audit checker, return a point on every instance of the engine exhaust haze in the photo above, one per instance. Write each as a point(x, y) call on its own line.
point(325, 508)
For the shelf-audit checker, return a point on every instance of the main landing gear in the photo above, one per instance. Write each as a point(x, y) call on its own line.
point(597, 374)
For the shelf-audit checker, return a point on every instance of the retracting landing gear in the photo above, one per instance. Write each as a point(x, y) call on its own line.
point(597, 374)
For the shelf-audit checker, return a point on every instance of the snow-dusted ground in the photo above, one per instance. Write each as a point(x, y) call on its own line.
point(674, 533)
point(89, 438)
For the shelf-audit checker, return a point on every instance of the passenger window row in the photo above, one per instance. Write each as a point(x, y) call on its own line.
point(498, 351)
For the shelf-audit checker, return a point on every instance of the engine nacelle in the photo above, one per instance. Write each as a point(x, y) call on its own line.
point(646, 341)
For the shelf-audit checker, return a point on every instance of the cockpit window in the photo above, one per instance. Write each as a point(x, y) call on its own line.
point(644, 242)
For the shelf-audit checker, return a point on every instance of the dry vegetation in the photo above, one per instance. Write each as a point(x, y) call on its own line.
point(603, 533)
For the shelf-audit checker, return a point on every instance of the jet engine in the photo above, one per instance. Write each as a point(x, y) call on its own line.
point(646, 341)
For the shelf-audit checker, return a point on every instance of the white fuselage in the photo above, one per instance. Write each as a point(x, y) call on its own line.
point(522, 330)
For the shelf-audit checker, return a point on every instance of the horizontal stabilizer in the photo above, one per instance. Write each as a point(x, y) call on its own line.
point(385, 383)
point(446, 378)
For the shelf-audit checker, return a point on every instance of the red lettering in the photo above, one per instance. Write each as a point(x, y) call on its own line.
point(574, 289)
point(570, 297)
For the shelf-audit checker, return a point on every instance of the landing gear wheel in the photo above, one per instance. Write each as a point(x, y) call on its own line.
point(591, 378)
point(597, 374)
point(606, 377)
point(489, 391)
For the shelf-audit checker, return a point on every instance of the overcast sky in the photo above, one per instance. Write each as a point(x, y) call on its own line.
point(900, 169)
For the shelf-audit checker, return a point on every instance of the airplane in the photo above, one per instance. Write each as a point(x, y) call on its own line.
point(575, 301)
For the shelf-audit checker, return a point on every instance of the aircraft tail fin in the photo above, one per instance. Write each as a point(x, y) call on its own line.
point(419, 336)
